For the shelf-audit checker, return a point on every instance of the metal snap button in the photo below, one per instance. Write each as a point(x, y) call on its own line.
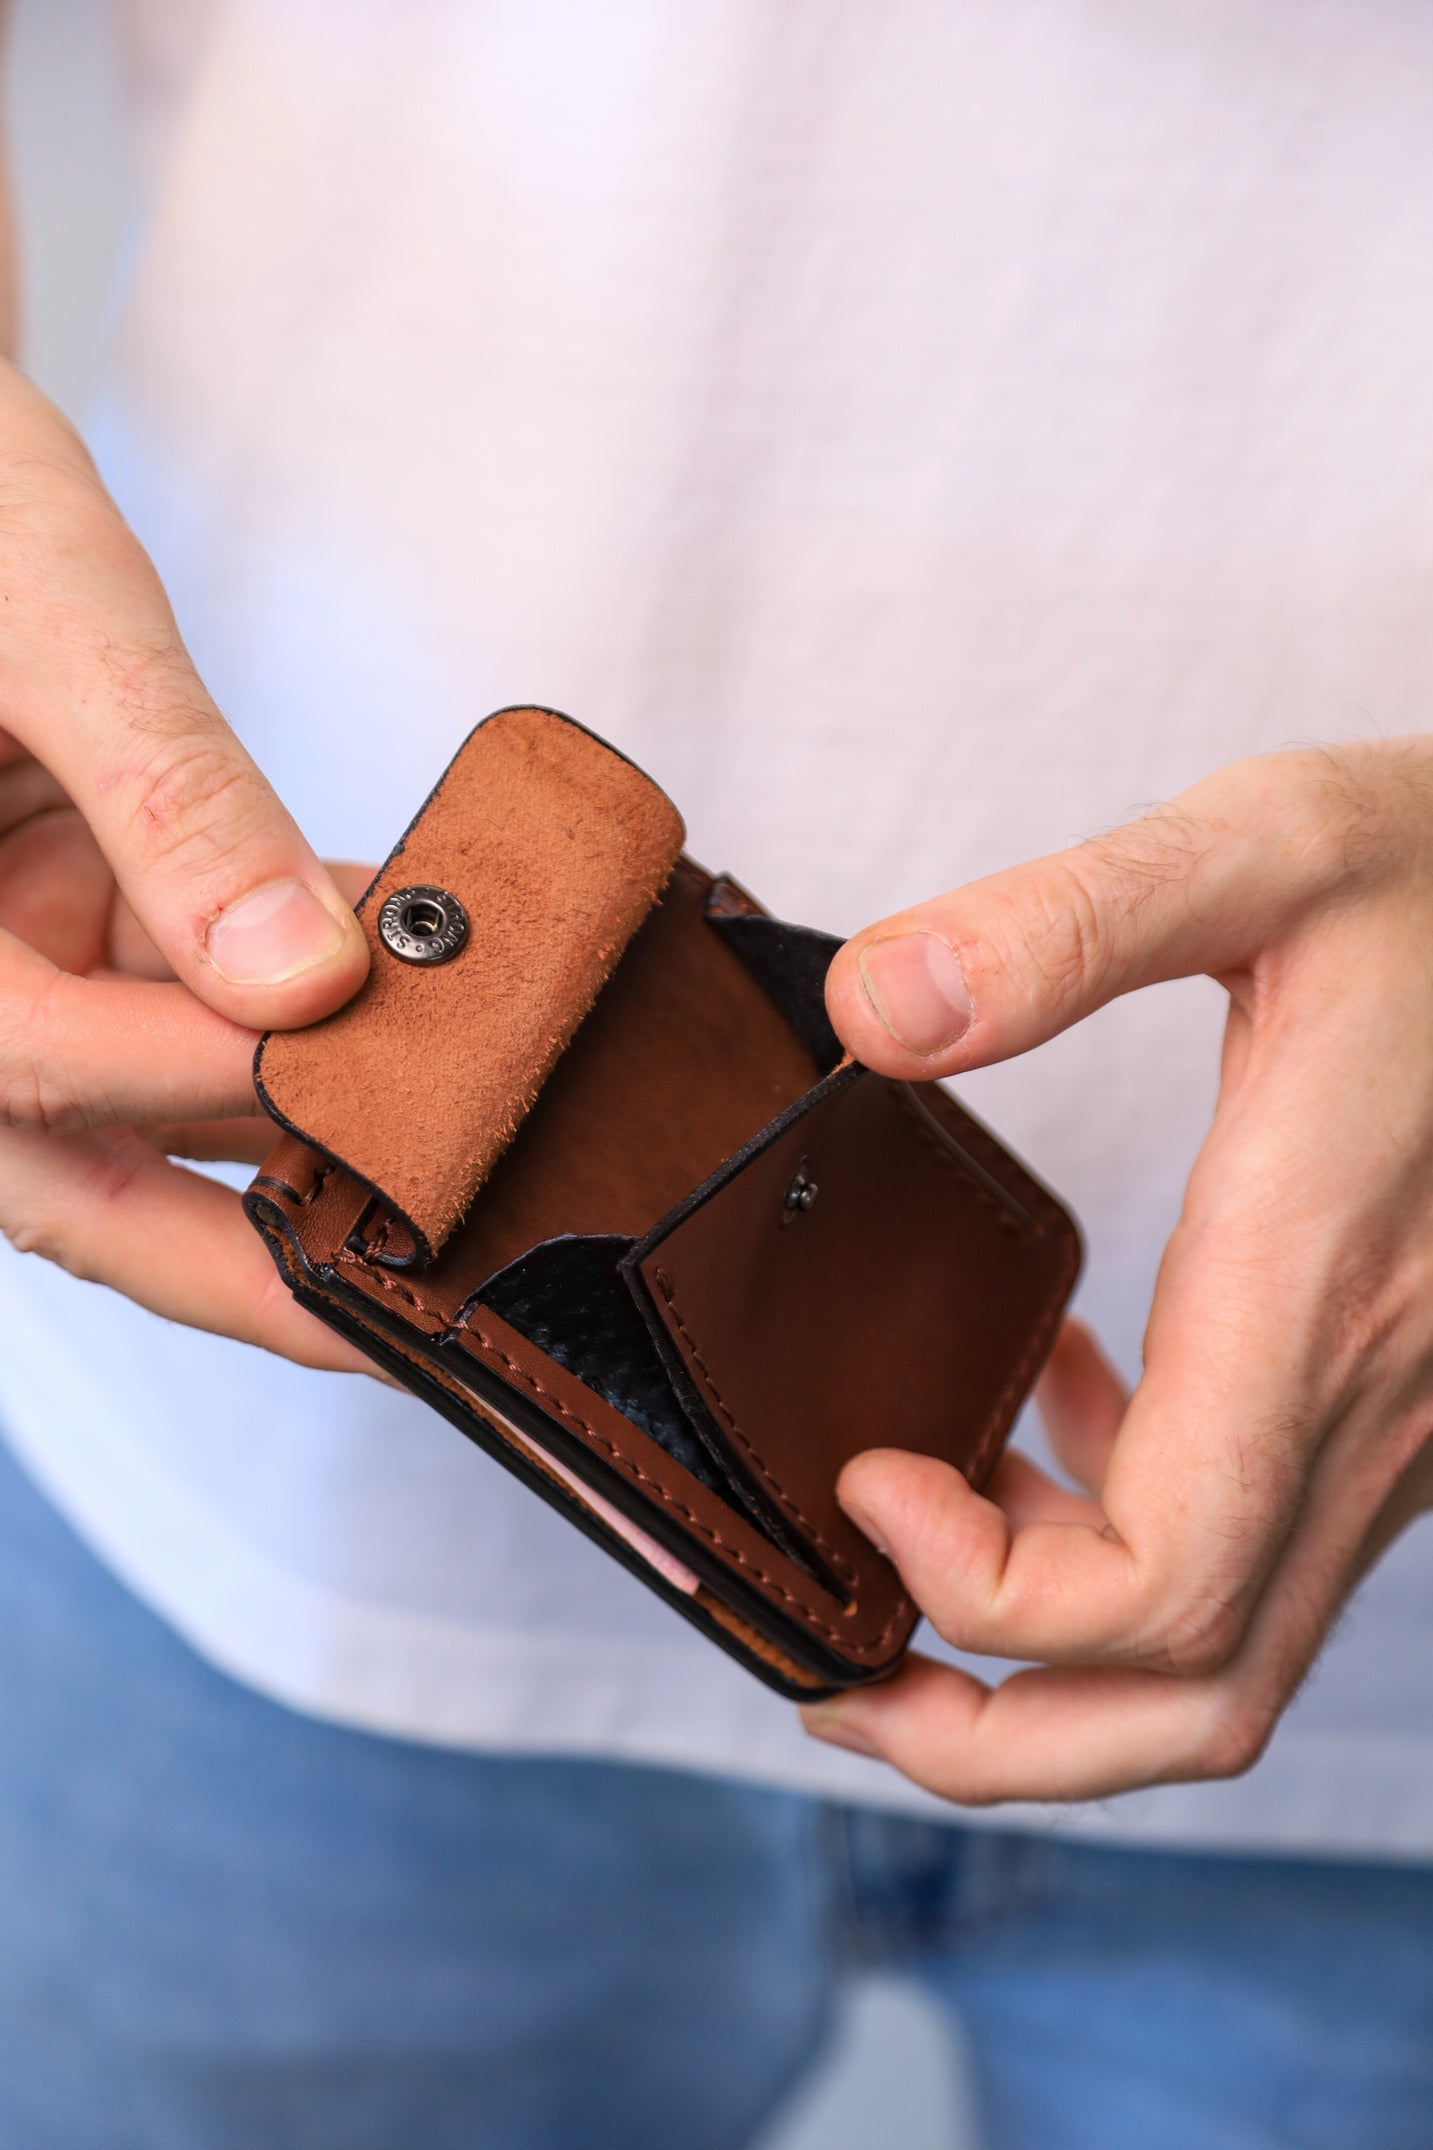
point(423, 925)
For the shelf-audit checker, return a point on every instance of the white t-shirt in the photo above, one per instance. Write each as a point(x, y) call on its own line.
point(917, 433)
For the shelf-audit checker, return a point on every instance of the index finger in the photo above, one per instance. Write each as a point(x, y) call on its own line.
point(80, 1051)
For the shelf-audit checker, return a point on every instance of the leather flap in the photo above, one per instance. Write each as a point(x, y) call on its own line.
point(876, 1272)
point(557, 848)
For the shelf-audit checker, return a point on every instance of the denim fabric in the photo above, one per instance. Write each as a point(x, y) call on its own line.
point(224, 1926)
point(1138, 2000)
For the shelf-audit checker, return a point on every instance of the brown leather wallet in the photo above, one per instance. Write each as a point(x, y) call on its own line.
point(584, 1166)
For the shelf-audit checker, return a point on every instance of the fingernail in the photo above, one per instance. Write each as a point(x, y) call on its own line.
point(830, 1725)
point(864, 1524)
point(273, 934)
point(916, 986)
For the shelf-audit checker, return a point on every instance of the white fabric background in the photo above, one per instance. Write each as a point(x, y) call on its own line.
point(1009, 414)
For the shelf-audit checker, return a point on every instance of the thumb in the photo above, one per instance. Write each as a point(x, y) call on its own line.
point(1004, 963)
point(100, 688)
point(210, 862)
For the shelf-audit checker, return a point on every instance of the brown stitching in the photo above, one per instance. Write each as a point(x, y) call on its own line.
point(376, 1248)
point(951, 1157)
point(302, 1200)
point(842, 1566)
point(388, 1283)
point(995, 1424)
point(465, 1396)
point(635, 1471)
point(1034, 1352)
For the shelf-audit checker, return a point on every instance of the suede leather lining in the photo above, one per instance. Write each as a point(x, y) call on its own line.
point(558, 848)
point(683, 1059)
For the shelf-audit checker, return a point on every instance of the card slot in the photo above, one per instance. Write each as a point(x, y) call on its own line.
point(571, 1298)
point(567, 1296)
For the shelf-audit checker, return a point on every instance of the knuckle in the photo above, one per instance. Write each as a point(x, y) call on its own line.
point(956, 1622)
point(1236, 1734)
point(34, 1235)
point(1349, 810)
point(43, 1230)
point(33, 1091)
point(965, 1791)
point(59, 1215)
point(967, 1600)
point(196, 797)
point(49, 493)
point(1056, 925)
point(25, 1099)
point(150, 680)
point(1199, 1634)
point(1141, 859)
point(59, 532)
point(1080, 911)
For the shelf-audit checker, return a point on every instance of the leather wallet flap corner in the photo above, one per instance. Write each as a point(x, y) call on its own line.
point(557, 848)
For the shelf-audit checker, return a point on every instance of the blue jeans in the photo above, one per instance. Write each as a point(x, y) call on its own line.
point(226, 1927)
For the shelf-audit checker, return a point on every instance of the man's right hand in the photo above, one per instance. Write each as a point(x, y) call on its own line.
point(136, 837)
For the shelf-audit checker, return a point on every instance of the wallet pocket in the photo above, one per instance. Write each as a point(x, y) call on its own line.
point(852, 1281)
